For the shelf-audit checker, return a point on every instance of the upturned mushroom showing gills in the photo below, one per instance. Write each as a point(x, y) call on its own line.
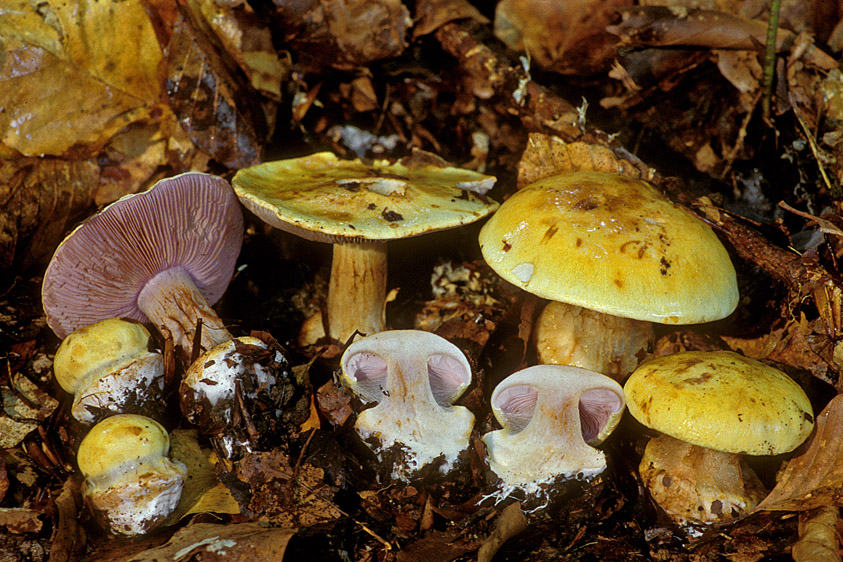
point(162, 256)
point(552, 417)
point(358, 207)
point(598, 244)
point(109, 369)
point(711, 407)
point(412, 378)
point(130, 484)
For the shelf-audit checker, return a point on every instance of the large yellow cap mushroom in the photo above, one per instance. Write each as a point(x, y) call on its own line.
point(613, 245)
point(710, 407)
point(358, 207)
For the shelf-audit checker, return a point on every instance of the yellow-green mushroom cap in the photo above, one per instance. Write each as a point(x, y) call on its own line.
point(611, 244)
point(324, 198)
point(720, 400)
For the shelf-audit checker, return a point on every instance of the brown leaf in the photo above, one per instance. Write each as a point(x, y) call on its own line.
point(233, 542)
point(509, 523)
point(245, 39)
point(431, 14)
point(67, 86)
point(567, 37)
point(69, 535)
point(547, 155)
point(210, 103)
point(39, 198)
point(19, 520)
point(343, 34)
point(818, 537)
point(813, 478)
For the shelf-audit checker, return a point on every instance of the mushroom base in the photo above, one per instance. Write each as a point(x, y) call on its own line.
point(695, 485)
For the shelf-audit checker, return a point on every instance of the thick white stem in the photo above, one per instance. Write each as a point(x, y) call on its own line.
point(173, 303)
point(571, 335)
point(357, 290)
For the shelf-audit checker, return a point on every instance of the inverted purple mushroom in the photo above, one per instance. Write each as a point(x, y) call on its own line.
point(162, 256)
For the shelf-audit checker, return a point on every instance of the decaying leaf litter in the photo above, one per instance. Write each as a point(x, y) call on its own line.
point(672, 94)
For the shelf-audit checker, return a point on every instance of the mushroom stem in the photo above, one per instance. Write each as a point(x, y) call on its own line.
point(698, 484)
point(174, 305)
point(567, 334)
point(357, 290)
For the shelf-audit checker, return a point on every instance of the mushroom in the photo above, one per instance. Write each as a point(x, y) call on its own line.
point(109, 369)
point(600, 246)
point(412, 378)
point(164, 255)
point(358, 207)
point(721, 405)
point(552, 417)
point(227, 386)
point(130, 484)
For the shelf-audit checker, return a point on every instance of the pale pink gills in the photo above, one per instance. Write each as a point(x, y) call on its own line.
point(162, 256)
point(109, 369)
point(130, 484)
point(358, 207)
point(412, 378)
point(722, 405)
point(613, 245)
point(552, 416)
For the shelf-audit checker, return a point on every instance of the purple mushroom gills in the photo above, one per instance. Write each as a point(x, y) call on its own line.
point(109, 369)
point(130, 483)
point(552, 417)
point(162, 256)
point(612, 255)
point(228, 386)
point(412, 378)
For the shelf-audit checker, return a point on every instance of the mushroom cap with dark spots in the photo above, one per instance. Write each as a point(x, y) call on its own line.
point(611, 244)
point(720, 400)
point(191, 221)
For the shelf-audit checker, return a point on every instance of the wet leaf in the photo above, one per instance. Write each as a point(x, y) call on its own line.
point(814, 477)
point(66, 89)
point(547, 155)
point(245, 39)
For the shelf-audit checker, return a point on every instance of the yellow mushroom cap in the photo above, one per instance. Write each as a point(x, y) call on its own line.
point(101, 347)
point(324, 198)
point(120, 442)
point(612, 244)
point(720, 400)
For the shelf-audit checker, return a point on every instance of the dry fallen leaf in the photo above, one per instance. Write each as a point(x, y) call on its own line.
point(546, 155)
point(202, 492)
point(813, 478)
point(818, 538)
point(233, 542)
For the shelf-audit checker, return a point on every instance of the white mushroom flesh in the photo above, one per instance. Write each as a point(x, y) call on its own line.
point(551, 416)
point(413, 377)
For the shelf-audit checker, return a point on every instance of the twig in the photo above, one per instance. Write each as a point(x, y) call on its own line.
point(770, 56)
